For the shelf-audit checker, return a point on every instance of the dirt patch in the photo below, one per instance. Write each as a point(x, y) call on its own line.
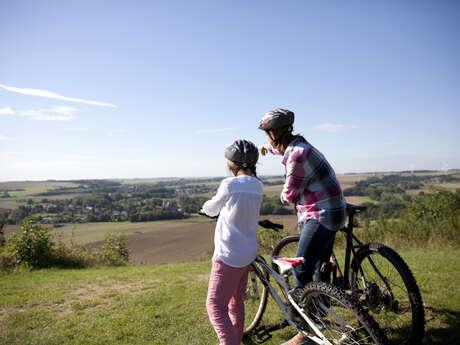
point(88, 297)
point(5, 312)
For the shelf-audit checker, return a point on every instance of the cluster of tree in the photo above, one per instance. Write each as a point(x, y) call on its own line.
point(192, 204)
point(187, 181)
point(386, 210)
point(145, 216)
point(383, 188)
point(143, 203)
point(273, 206)
point(432, 219)
point(273, 182)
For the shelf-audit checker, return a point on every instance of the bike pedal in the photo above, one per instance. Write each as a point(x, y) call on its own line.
point(262, 335)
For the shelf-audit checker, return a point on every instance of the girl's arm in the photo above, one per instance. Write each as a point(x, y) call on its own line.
point(212, 207)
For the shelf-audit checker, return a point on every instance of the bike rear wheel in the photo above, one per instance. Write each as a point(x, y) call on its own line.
point(255, 298)
point(338, 316)
point(390, 293)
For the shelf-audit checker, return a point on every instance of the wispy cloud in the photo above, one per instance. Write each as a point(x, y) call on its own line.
point(55, 113)
point(206, 131)
point(6, 111)
point(333, 127)
point(48, 94)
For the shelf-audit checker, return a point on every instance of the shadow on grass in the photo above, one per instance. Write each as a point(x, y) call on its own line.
point(443, 327)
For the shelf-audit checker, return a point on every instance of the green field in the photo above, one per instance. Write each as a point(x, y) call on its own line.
point(165, 304)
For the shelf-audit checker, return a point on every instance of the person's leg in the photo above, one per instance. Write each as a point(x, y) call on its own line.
point(236, 305)
point(315, 241)
point(223, 283)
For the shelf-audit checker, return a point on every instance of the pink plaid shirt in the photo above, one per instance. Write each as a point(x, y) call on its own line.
point(312, 186)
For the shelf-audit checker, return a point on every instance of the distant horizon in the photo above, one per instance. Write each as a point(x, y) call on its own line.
point(216, 177)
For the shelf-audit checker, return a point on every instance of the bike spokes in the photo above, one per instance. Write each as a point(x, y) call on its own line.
point(336, 320)
point(381, 289)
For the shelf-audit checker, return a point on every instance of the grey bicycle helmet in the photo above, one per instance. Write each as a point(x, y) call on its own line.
point(277, 118)
point(242, 152)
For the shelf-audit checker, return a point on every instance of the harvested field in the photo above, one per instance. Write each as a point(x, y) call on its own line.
point(174, 242)
point(158, 242)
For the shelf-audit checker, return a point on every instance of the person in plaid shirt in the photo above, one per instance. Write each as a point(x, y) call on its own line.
point(311, 185)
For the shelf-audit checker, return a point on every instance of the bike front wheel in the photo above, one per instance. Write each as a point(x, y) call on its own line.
point(337, 317)
point(384, 284)
point(255, 298)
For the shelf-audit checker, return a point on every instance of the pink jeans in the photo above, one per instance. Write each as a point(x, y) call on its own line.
point(225, 304)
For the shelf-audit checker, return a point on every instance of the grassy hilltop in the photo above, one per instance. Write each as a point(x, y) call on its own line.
point(164, 304)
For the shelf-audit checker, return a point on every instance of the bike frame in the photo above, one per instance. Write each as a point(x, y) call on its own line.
point(352, 245)
point(284, 306)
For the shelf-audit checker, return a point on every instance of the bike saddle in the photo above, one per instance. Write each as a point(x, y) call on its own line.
point(287, 264)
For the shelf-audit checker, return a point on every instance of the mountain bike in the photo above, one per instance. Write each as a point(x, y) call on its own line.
point(323, 312)
point(378, 277)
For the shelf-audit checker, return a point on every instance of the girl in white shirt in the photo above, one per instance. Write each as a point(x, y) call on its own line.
point(237, 203)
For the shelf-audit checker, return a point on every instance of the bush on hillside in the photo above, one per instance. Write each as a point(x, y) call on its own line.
point(430, 220)
point(33, 247)
point(115, 250)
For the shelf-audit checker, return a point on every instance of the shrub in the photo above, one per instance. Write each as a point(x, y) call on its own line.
point(68, 256)
point(33, 246)
point(115, 250)
point(430, 220)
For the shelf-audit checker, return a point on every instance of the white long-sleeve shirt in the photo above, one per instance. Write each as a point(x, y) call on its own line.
point(238, 202)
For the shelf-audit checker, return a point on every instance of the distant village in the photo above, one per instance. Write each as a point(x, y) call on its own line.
point(96, 203)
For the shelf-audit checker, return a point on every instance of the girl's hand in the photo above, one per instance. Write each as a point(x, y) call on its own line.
point(263, 149)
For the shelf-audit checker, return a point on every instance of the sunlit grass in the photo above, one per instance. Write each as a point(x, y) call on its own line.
point(165, 304)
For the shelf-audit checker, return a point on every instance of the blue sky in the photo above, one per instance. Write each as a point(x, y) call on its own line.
point(123, 89)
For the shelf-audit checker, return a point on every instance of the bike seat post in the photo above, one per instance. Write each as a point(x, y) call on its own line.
point(286, 277)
